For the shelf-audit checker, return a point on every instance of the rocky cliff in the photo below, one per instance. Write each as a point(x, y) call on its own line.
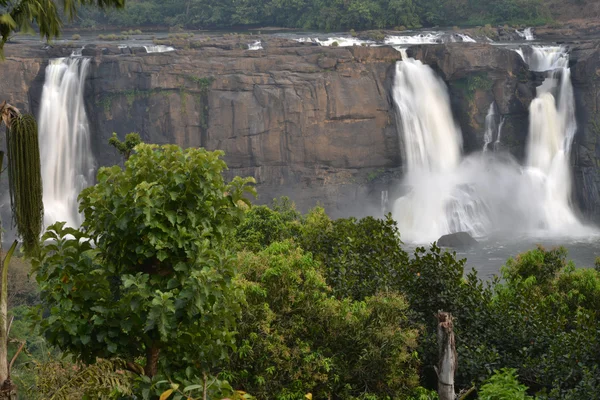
point(314, 123)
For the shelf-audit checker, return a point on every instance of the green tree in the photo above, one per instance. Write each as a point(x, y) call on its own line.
point(157, 282)
point(296, 338)
point(21, 15)
point(360, 257)
point(25, 187)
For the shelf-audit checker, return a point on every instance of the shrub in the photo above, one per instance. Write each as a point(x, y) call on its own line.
point(295, 338)
point(158, 280)
point(503, 385)
point(76, 37)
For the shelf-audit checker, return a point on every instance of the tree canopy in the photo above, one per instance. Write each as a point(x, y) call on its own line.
point(325, 15)
point(147, 274)
point(46, 15)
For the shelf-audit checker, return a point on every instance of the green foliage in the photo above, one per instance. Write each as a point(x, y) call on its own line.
point(540, 320)
point(186, 385)
point(126, 147)
point(503, 385)
point(473, 83)
point(296, 338)
point(158, 280)
point(22, 15)
point(263, 225)
point(360, 257)
point(25, 180)
point(324, 15)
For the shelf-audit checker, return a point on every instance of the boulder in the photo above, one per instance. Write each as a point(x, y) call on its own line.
point(458, 240)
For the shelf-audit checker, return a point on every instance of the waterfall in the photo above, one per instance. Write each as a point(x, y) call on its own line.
point(255, 46)
point(431, 142)
point(552, 127)
point(527, 34)
point(544, 58)
point(431, 139)
point(486, 193)
point(493, 128)
point(158, 48)
point(466, 38)
point(384, 202)
point(67, 163)
point(497, 142)
point(490, 127)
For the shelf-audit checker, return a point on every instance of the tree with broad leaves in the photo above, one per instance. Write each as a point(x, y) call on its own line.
point(148, 275)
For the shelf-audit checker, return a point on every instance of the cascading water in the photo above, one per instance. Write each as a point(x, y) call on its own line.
point(527, 34)
point(67, 163)
point(256, 45)
point(493, 127)
point(437, 202)
point(490, 127)
point(544, 58)
point(552, 127)
point(486, 193)
point(161, 48)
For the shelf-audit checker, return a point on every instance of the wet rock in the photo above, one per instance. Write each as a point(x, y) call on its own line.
point(458, 240)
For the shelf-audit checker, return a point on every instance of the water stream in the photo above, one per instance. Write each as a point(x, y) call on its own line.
point(487, 194)
point(66, 154)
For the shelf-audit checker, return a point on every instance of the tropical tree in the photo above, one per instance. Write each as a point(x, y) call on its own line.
point(25, 183)
point(21, 15)
point(147, 275)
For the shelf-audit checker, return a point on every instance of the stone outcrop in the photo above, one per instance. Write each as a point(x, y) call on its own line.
point(458, 240)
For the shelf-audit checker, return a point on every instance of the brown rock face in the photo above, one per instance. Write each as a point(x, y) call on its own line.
point(586, 147)
point(305, 121)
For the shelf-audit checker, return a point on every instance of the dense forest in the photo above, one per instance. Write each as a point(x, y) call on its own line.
point(177, 286)
point(325, 15)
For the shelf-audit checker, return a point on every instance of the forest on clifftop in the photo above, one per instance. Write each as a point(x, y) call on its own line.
point(325, 15)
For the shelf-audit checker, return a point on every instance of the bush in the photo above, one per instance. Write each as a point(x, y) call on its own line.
point(75, 37)
point(360, 257)
point(295, 338)
point(503, 385)
point(158, 281)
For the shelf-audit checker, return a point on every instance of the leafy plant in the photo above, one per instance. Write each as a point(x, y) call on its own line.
point(295, 338)
point(158, 282)
point(503, 385)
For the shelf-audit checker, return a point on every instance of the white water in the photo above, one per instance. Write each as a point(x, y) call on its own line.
point(427, 38)
point(493, 128)
point(497, 143)
point(255, 46)
point(490, 127)
point(392, 40)
point(527, 34)
point(341, 41)
point(486, 194)
point(67, 163)
point(158, 48)
point(544, 58)
point(466, 38)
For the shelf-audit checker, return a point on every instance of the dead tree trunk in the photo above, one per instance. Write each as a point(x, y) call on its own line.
point(448, 361)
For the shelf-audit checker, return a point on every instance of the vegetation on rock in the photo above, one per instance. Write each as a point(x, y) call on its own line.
point(328, 15)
